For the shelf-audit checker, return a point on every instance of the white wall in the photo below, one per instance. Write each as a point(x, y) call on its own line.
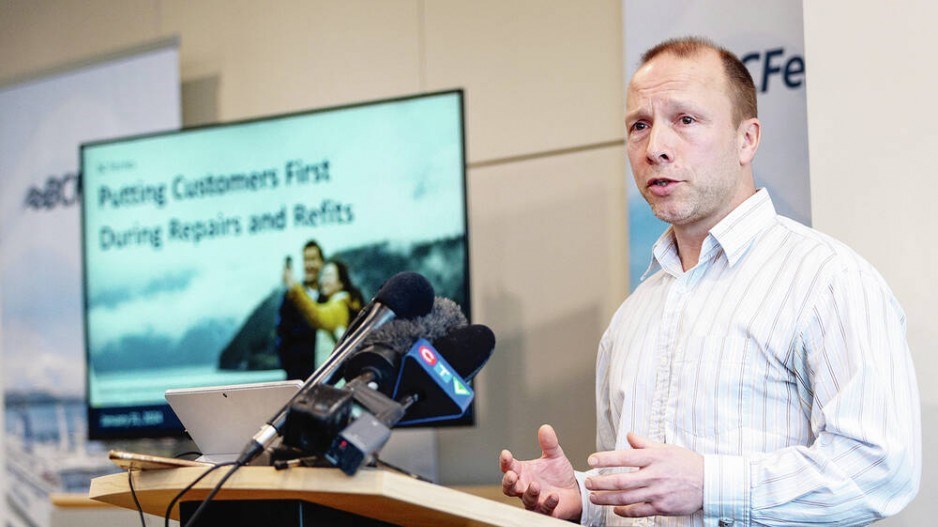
point(544, 104)
point(873, 131)
point(543, 85)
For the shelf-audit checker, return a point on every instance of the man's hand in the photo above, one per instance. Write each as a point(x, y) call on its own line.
point(287, 277)
point(545, 485)
point(668, 482)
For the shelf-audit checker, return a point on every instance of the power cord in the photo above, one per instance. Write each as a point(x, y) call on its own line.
point(133, 493)
point(384, 464)
point(169, 509)
point(198, 512)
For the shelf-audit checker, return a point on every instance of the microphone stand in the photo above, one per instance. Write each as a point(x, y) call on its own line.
point(272, 429)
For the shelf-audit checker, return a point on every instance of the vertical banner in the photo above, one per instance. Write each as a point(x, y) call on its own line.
point(769, 38)
point(44, 120)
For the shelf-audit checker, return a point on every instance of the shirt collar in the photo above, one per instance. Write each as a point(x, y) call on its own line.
point(663, 254)
point(740, 227)
point(733, 234)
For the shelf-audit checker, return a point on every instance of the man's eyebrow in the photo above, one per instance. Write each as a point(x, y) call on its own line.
point(636, 114)
point(685, 106)
point(670, 107)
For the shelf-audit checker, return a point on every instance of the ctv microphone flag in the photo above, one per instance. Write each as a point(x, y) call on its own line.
point(442, 394)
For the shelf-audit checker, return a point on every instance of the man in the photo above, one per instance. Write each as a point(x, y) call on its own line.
point(296, 337)
point(761, 374)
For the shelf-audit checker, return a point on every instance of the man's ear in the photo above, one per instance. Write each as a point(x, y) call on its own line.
point(749, 133)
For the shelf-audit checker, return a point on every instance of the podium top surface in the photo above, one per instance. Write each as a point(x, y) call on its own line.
point(374, 493)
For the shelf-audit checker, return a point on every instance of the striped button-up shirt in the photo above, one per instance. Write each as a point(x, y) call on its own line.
point(781, 357)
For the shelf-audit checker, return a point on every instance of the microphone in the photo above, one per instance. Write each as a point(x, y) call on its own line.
point(406, 306)
point(426, 381)
point(318, 416)
point(436, 379)
point(443, 316)
point(370, 429)
point(405, 295)
point(467, 349)
point(382, 350)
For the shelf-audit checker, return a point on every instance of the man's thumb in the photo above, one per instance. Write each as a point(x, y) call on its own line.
point(547, 440)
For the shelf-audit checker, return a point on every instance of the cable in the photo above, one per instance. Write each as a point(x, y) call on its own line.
point(133, 493)
point(384, 464)
point(198, 512)
point(182, 492)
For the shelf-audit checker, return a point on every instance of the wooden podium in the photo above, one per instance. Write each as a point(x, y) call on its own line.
point(319, 496)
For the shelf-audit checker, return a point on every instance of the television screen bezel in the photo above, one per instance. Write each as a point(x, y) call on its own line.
point(94, 432)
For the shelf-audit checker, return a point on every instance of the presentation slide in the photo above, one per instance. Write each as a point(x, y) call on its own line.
point(186, 237)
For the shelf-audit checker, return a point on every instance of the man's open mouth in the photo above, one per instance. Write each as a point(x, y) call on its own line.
point(660, 182)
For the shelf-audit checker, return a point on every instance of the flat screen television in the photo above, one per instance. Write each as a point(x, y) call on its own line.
point(186, 236)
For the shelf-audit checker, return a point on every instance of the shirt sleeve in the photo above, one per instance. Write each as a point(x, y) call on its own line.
point(592, 514)
point(330, 315)
point(853, 364)
point(605, 431)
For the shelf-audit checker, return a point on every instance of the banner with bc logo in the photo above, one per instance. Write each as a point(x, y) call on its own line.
point(44, 121)
point(769, 38)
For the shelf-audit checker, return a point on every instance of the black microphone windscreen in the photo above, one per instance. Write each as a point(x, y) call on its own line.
point(408, 294)
point(467, 349)
point(445, 316)
point(401, 334)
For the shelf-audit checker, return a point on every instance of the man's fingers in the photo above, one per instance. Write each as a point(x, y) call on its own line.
point(507, 462)
point(636, 510)
point(530, 496)
point(638, 441)
point(510, 484)
point(622, 458)
point(547, 440)
point(644, 452)
point(620, 481)
point(550, 503)
point(628, 497)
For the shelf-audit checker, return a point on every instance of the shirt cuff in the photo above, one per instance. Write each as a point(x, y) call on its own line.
point(727, 494)
point(590, 514)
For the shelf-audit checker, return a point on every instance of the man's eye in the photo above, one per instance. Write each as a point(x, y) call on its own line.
point(687, 119)
point(639, 126)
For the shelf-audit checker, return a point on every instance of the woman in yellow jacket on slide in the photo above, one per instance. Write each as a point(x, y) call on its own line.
point(331, 317)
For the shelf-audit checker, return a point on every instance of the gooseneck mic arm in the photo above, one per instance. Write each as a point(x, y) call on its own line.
point(405, 295)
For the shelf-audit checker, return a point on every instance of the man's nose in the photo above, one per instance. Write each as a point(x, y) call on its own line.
point(658, 149)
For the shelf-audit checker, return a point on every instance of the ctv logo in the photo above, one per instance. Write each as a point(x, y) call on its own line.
point(443, 372)
point(427, 355)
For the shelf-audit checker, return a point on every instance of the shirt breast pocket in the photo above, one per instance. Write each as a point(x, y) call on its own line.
point(710, 386)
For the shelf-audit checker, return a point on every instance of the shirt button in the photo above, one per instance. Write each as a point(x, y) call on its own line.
point(725, 522)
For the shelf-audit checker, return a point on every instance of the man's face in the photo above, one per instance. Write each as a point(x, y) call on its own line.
point(312, 263)
point(682, 140)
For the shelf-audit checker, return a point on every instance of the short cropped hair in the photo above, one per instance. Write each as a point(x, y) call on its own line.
point(313, 243)
point(742, 88)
